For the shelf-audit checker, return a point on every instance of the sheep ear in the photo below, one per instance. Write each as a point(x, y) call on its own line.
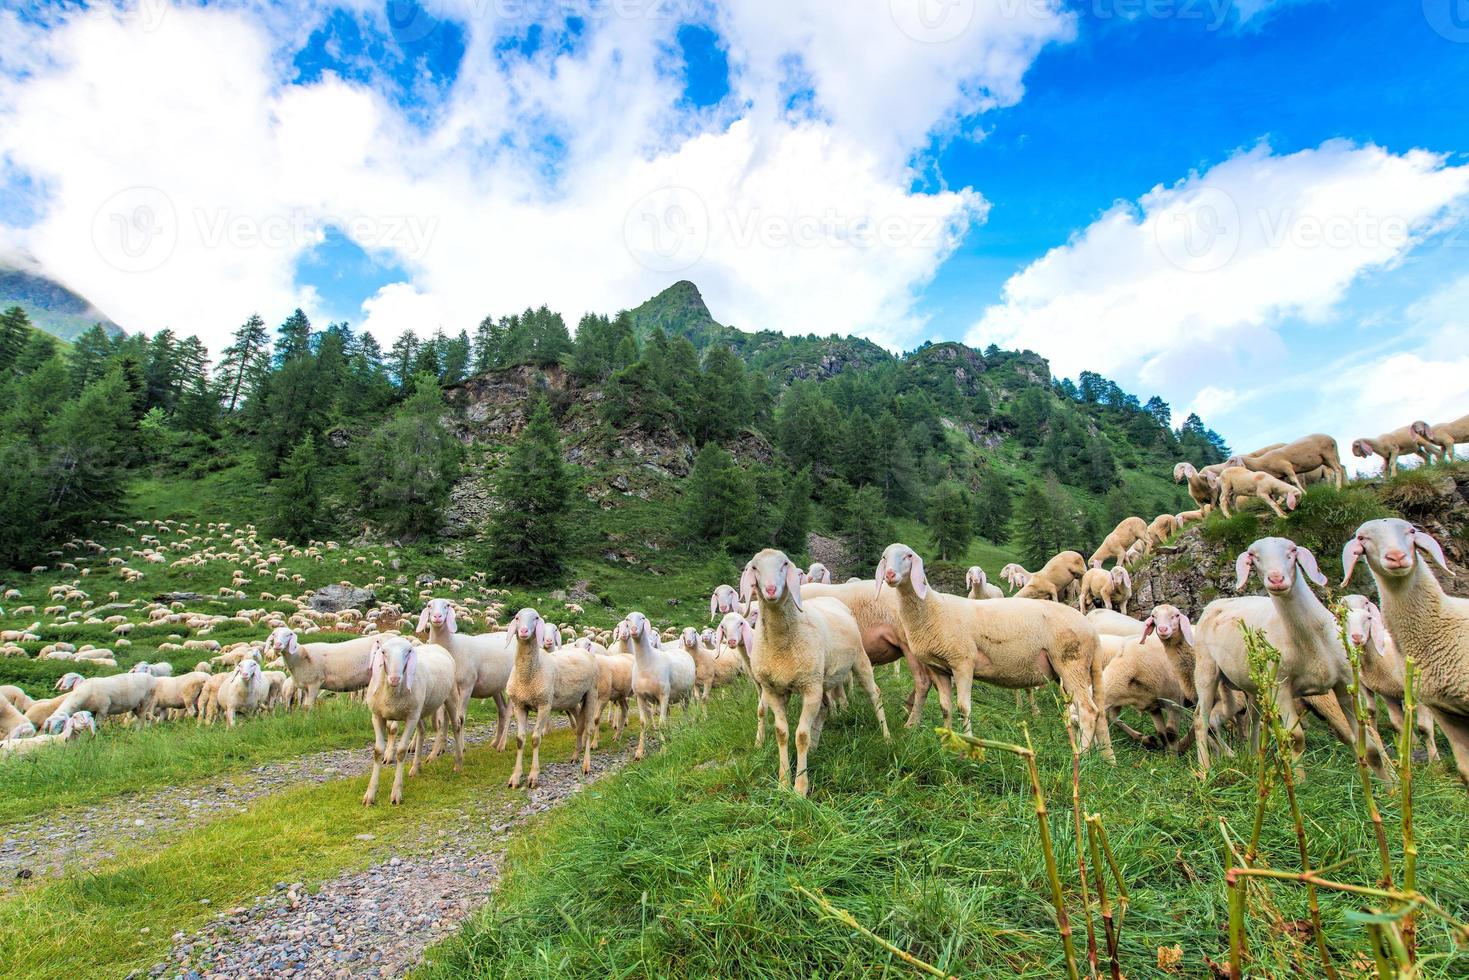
point(1425, 543)
point(540, 633)
point(423, 621)
point(450, 623)
point(1148, 625)
point(793, 583)
point(410, 668)
point(1290, 501)
point(882, 567)
point(1127, 580)
point(747, 582)
point(1241, 571)
point(1349, 555)
point(747, 636)
point(920, 580)
point(376, 676)
point(1376, 628)
point(713, 605)
point(719, 637)
point(1307, 563)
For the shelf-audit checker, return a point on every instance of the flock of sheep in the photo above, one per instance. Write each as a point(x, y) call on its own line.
point(792, 631)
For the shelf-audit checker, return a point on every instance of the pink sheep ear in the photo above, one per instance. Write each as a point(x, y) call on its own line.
point(377, 666)
point(410, 668)
point(1425, 543)
point(1127, 580)
point(713, 605)
point(1376, 628)
point(920, 580)
point(1307, 563)
point(1186, 628)
point(1290, 501)
point(450, 623)
point(423, 620)
point(540, 633)
point(882, 567)
point(719, 637)
point(1241, 571)
point(793, 583)
point(1353, 550)
point(1148, 625)
point(747, 636)
point(747, 582)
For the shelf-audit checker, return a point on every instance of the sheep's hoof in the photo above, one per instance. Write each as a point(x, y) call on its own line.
point(397, 799)
point(368, 800)
point(531, 783)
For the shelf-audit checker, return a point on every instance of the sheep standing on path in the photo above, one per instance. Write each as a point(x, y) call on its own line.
point(407, 685)
point(482, 665)
point(546, 681)
point(315, 667)
point(883, 639)
point(1430, 627)
point(1014, 643)
point(803, 645)
point(660, 675)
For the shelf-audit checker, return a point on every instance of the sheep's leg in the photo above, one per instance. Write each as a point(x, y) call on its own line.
point(663, 717)
point(1285, 705)
point(543, 724)
point(1019, 699)
point(819, 723)
point(1425, 730)
point(944, 684)
point(645, 718)
point(1456, 730)
point(760, 709)
point(502, 721)
point(520, 727)
point(378, 748)
point(310, 699)
point(777, 704)
point(1344, 727)
point(621, 722)
point(591, 714)
point(811, 705)
point(1206, 683)
point(922, 681)
point(863, 669)
point(1264, 495)
point(963, 692)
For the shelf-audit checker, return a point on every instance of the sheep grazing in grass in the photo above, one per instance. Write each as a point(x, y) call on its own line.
point(1381, 666)
point(179, 694)
point(561, 680)
point(408, 684)
point(1312, 658)
point(661, 675)
point(1428, 626)
point(1237, 484)
point(1303, 455)
point(18, 698)
point(1014, 643)
point(1163, 527)
point(345, 666)
point(806, 645)
point(118, 694)
point(13, 722)
point(1187, 517)
point(1056, 579)
point(70, 730)
point(979, 585)
point(482, 665)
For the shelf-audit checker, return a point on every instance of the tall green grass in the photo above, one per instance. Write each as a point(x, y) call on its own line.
point(683, 865)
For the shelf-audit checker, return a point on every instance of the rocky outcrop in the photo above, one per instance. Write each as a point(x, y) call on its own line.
point(335, 598)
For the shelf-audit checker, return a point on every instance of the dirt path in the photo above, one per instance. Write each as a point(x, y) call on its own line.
point(375, 922)
point(48, 844)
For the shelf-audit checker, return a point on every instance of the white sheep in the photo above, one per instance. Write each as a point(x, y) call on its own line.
point(344, 666)
point(1199, 487)
point(1428, 626)
point(16, 696)
point(1303, 455)
point(179, 693)
point(1445, 435)
point(614, 687)
point(1381, 666)
point(661, 676)
point(13, 722)
point(1058, 577)
point(1109, 623)
point(818, 574)
point(1312, 658)
point(1154, 674)
point(482, 665)
point(1404, 441)
point(160, 669)
point(118, 694)
point(243, 691)
point(561, 680)
point(408, 684)
point(1163, 527)
point(979, 586)
point(1014, 643)
point(736, 635)
point(1128, 532)
point(1107, 586)
point(1237, 483)
point(803, 645)
point(1015, 576)
point(883, 639)
point(724, 600)
point(713, 667)
point(70, 729)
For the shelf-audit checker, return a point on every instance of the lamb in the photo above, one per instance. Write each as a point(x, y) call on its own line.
point(70, 730)
point(1015, 576)
point(1107, 586)
point(614, 687)
point(883, 639)
point(242, 691)
point(118, 694)
point(1163, 527)
point(724, 600)
point(979, 586)
point(712, 667)
point(179, 693)
point(345, 666)
point(1312, 659)
point(561, 680)
point(1187, 517)
point(1408, 439)
point(1381, 666)
point(408, 684)
point(804, 644)
point(1430, 627)
point(1289, 461)
point(819, 574)
point(161, 669)
point(1014, 643)
point(660, 675)
point(1237, 482)
point(482, 665)
point(1445, 435)
point(1127, 532)
point(1055, 579)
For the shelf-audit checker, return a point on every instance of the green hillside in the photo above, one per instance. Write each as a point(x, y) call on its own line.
point(50, 305)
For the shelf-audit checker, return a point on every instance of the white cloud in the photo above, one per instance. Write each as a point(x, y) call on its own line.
point(189, 205)
point(1191, 283)
point(1212, 401)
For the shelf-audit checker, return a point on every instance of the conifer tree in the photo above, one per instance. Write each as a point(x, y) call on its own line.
point(950, 521)
point(407, 466)
point(294, 499)
point(526, 538)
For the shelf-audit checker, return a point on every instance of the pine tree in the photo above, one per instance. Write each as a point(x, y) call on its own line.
point(486, 354)
point(992, 511)
point(294, 500)
point(865, 526)
point(408, 465)
point(950, 521)
point(719, 501)
point(89, 355)
point(795, 513)
point(293, 338)
point(15, 328)
point(526, 538)
point(245, 361)
point(402, 356)
point(89, 444)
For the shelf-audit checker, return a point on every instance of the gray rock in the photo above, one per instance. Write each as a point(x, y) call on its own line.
point(335, 598)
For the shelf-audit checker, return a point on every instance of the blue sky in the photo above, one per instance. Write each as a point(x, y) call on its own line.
point(1254, 209)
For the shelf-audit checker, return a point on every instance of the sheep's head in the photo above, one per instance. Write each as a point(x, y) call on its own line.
point(724, 600)
point(78, 722)
point(438, 614)
point(689, 637)
point(819, 573)
point(770, 575)
point(639, 629)
point(69, 681)
point(1184, 471)
point(141, 667)
point(283, 638)
point(248, 670)
point(1421, 429)
point(394, 660)
point(552, 639)
point(1365, 622)
point(1276, 560)
point(529, 626)
point(1167, 620)
point(974, 577)
point(1391, 546)
point(1071, 562)
point(900, 563)
point(56, 723)
point(1120, 578)
point(735, 630)
point(1360, 448)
